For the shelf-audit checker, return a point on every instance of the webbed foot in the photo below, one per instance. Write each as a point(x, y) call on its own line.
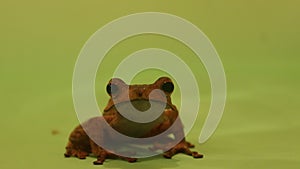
point(182, 147)
point(70, 151)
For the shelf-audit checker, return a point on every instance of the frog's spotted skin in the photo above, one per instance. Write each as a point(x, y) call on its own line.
point(80, 145)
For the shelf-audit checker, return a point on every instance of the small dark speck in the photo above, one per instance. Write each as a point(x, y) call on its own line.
point(54, 132)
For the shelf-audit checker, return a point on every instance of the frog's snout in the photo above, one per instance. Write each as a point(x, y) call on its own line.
point(140, 92)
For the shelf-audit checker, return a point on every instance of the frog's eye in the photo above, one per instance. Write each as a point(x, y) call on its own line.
point(112, 89)
point(167, 87)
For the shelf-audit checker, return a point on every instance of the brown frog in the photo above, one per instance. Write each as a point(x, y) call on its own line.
point(131, 98)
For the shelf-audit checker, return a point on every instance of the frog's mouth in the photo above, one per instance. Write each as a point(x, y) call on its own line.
point(139, 124)
point(142, 111)
point(141, 105)
point(144, 104)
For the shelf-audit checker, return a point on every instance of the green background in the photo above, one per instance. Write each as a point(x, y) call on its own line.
point(258, 43)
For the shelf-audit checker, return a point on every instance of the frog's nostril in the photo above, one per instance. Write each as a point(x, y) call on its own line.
point(140, 92)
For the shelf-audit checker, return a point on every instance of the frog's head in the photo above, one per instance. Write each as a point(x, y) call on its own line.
point(140, 95)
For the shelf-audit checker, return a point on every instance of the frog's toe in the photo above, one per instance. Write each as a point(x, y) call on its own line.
point(190, 145)
point(168, 155)
point(98, 162)
point(197, 155)
point(69, 151)
point(101, 158)
point(67, 155)
point(81, 154)
point(82, 157)
point(131, 160)
point(186, 150)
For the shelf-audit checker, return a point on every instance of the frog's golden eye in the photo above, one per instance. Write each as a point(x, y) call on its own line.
point(112, 89)
point(167, 87)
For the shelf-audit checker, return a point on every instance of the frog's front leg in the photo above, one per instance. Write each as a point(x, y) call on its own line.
point(183, 146)
point(99, 152)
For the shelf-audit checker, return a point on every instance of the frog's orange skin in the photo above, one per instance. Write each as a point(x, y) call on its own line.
point(80, 145)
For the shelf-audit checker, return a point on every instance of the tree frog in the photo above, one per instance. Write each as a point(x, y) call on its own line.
point(140, 97)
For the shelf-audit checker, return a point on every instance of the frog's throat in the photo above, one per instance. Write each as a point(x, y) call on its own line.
point(168, 106)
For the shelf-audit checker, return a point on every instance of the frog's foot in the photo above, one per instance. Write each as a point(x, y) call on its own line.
point(81, 154)
point(71, 151)
point(129, 159)
point(182, 147)
point(101, 157)
point(190, 145)
point(77, 153)
point(68, 153)
point(100, 153)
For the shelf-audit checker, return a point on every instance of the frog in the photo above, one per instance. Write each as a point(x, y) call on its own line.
point(141, 97)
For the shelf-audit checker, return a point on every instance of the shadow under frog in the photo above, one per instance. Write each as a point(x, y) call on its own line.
point(135, 116)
